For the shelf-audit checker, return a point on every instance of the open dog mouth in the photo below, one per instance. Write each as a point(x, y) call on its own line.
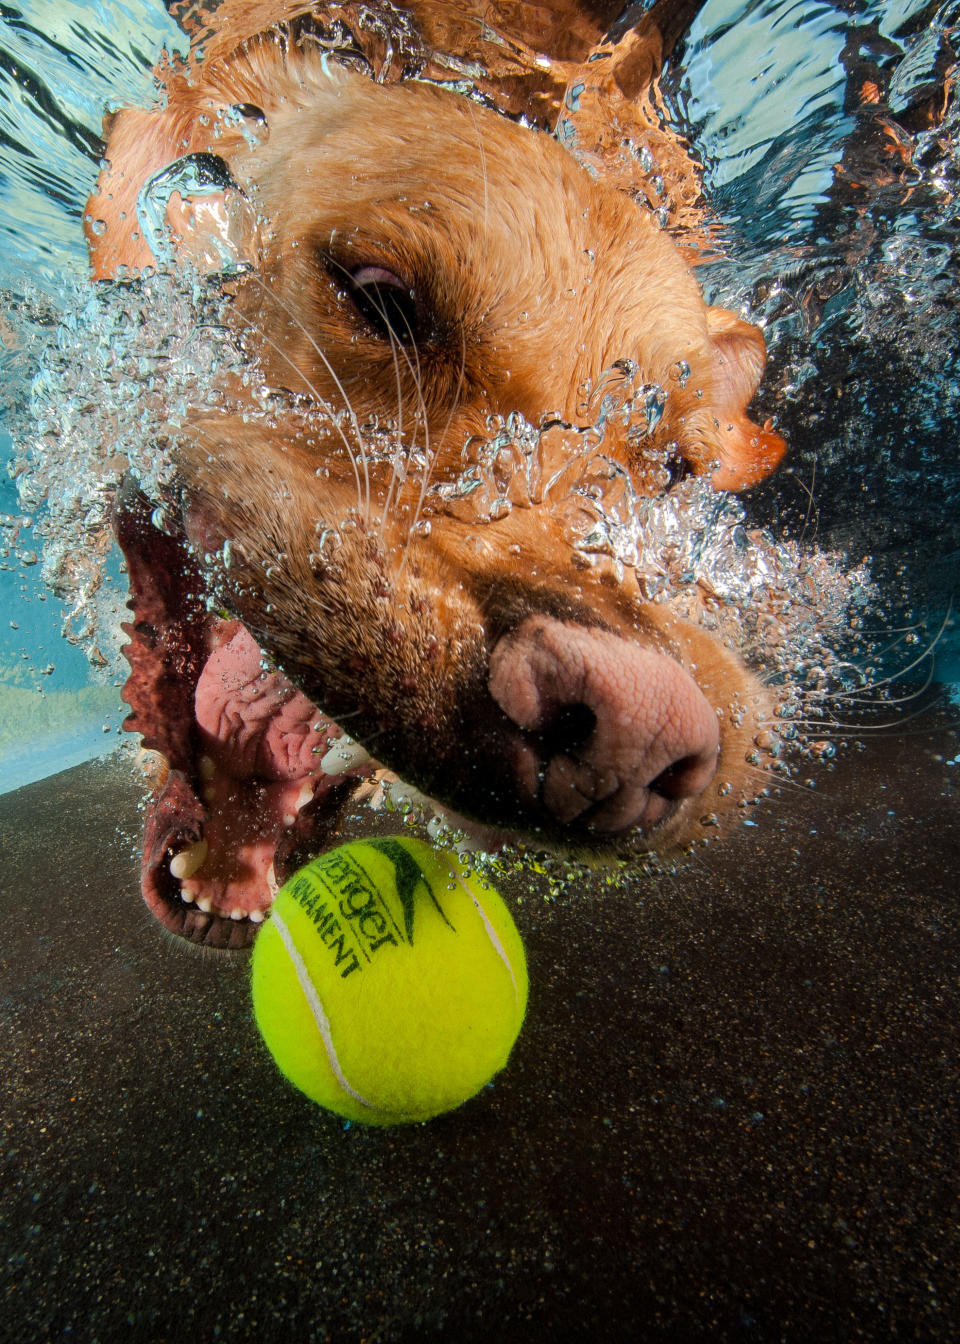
point(580, 737)
point(253, 781)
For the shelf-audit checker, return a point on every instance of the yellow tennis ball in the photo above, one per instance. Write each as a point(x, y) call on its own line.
point(389, 982)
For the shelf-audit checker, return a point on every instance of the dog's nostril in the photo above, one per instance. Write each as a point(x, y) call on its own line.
point(685, 778)
point(570, 728)
point(613, 735)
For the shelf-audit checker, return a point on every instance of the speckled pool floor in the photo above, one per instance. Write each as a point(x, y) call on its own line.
point(732, 1112)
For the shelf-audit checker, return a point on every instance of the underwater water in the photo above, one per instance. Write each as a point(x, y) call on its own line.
point(62, 65)
point(854, 546)
point(732, 1112)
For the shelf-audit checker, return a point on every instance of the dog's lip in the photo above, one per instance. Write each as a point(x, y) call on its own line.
point(168, 863)
point(161, 893)
point(210, 871)
point(242, 749)
point(650, 823)
point(196, 921)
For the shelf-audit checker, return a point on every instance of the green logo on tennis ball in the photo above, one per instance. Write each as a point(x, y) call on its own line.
point(407, 874)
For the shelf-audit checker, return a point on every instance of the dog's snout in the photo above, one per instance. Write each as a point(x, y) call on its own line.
point(614, 735)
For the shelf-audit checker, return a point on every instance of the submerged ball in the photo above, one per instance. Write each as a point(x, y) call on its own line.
point(389, 982)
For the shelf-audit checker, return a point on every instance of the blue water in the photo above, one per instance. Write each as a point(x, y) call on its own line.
point(859, 305)
point(63, 65)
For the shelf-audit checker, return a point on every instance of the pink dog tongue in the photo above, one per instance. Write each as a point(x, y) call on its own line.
point(253, 722)
point(260, 742)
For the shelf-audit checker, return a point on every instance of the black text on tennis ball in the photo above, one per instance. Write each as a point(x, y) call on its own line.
point(390, 982)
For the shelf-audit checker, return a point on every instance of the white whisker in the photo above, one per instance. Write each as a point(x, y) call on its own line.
point(899, 675)
point(398, 448)
point(808, 490)
point(431, 460)
point(395, 350)
point(483, 167)
point(363, 493)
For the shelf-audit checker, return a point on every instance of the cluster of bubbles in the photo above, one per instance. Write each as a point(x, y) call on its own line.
point(104, 375)
point(118, 367)
point(115, 372)
point(794, 612)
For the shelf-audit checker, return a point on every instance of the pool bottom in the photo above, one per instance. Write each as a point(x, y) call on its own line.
point(732, 1112)
point(45, 733)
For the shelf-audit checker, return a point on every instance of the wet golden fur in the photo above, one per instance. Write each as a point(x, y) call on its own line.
point(534, 278)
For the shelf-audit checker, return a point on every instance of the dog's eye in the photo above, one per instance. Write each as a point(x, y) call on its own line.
point(250, 112)
point(385, 302)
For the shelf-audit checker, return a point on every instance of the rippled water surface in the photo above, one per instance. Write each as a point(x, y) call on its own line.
point(851, 270)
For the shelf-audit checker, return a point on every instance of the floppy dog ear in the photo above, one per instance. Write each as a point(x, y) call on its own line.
point(720, 430)
point(139, 145)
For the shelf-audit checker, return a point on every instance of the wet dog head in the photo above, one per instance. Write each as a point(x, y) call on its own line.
point(452, 332)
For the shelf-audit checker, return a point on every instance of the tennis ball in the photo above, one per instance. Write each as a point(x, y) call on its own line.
point(389, 982)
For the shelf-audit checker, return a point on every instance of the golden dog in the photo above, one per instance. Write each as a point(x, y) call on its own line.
point(419, 274)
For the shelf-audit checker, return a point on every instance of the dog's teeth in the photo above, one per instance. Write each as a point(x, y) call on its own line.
point(303, 797)
point(186, 863)
point(273, 886)
point(206, 767)
point(405, 797)
point(256, 916)
point(236, 913)
point(187, 896)
point(289, 818)
point(205, 904)
point(344, 755)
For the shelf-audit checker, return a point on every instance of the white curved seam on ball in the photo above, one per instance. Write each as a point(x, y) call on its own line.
point(492, 935)
point(316, 1008)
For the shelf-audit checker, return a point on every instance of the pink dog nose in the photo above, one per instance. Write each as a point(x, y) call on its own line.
point(614, 734)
